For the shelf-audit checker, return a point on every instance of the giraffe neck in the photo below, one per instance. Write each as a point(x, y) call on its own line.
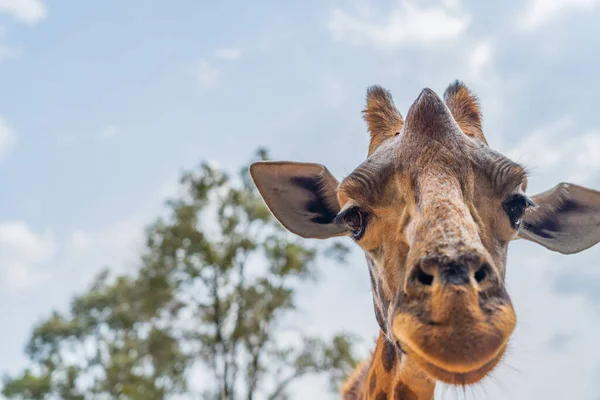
point(388, 376)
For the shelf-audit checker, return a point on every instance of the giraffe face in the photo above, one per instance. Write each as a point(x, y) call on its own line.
point(434, 209)
point(431, 215)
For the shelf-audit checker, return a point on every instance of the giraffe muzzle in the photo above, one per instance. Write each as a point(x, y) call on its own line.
point(454, 325)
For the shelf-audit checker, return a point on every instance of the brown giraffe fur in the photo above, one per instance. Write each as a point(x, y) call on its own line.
point(385, 376)
point(434, 209)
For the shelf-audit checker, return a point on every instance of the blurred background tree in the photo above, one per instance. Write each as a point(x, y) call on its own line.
point(211, 303)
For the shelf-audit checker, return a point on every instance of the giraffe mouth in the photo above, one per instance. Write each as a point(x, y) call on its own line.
point(462, 350)
point(453, 377)
point(456, 335)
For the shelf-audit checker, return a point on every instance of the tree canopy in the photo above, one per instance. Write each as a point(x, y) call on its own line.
point(209, 307)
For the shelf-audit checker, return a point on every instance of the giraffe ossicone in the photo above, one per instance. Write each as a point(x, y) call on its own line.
point(434, 208)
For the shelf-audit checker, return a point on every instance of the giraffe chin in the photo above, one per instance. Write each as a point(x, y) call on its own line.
point(456, 378)
point(459, 354)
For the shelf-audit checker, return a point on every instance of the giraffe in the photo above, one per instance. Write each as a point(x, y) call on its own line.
point(434, 208)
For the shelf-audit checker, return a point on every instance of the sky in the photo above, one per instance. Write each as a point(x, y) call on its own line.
point(104, 104)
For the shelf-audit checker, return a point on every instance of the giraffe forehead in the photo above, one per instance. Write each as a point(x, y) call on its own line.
point(408, 162)
point(401, 170)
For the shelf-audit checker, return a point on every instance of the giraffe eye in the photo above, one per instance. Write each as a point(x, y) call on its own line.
point(515, 208)
point(355, 220)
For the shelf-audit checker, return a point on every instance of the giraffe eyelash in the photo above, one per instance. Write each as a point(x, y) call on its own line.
point(356, 219)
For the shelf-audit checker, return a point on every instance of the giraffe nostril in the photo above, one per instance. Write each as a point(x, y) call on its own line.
point(481, 273)
point(423, 277)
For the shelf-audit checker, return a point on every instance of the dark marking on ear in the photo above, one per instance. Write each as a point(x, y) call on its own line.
point(307, 183)
point(388, 355)
point(542, 228)
point(381, 396)
point(549, 223)
point(402, 392)
point(568, 205)
point(372, 383)
point(319, 204)
point(317, 207)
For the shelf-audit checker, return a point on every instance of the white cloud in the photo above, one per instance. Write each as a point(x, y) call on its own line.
point(539, 147)
point(480, 59)
point(28, 11)
point(407, 23)
point(231, 53)
point(586, 157)
point(109, 132)
point(80, 241)
point(576, 160)
point(207, 75)
point(119, 244)
point(21, 250)
point(540, 12)
point(116, 246)
point(451, 3)
point(8, 138)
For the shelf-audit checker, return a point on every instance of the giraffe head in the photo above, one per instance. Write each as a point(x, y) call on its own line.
point(434, 209)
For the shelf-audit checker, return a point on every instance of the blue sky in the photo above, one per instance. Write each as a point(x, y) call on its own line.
point(104, 104)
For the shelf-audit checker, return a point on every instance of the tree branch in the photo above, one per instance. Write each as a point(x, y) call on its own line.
point(219, 346)
point(255, 364)
point(280, 388)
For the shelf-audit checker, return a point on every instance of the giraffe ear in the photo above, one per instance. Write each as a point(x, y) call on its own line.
point(383, 118)
point(566, 219)
point(464, 106)
point(302, 196)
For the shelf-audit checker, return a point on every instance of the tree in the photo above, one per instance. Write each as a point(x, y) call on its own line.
point(211, 302)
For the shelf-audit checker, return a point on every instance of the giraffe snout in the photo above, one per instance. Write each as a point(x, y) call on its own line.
point(454, 315)
point(470, 269)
